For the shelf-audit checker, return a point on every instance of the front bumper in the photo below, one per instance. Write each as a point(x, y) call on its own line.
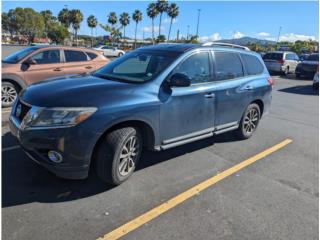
point(75, 145)
point(308, 71)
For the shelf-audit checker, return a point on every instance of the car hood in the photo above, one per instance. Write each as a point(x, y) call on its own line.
point(76, 91)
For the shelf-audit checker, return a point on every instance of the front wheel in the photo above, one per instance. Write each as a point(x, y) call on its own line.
point(249, 121)
point(9, 93)
point(118, 155)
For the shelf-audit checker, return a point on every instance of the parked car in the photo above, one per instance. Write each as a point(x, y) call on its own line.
point(37, 63)
point(110, 51)
point(156, 97)
point(309, 66)
point(316, 79)
point(303, 56)
point(283, 62)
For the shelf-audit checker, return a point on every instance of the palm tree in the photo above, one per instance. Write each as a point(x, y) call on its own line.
point(173, 12)
point(92, 23)
point(112, 18)
point(64, 17)
point(162, 6)
point(137, 17)
point(152, 13)
point(124, 21)
point(76, 17)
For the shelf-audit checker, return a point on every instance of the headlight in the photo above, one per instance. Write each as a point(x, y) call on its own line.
point(56, 117)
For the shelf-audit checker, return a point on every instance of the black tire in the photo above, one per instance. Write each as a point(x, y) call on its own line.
point(120, 54)
point(298, 75)
point(9, 93)
point(242, 132)
point(109, 151)
point(286, 71)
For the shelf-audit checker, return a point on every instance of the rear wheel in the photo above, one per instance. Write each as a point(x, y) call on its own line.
point(118, 155)
point(120, 54)
point(249, 121)
point(9, 93)
point(286, 71)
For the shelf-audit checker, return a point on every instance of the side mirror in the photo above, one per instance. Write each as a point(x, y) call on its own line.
point(31, 61)
point(180, 80)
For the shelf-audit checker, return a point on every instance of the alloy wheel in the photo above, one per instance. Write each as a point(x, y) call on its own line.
point(251, 120)
point(128, 156)
point(8, 94)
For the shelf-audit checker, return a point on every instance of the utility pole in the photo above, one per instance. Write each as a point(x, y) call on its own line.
point(188, 32)
point(279, 34)
point(178, 32)
point(199, 10)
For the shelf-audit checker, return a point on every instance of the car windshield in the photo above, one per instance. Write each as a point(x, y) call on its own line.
point(137, 66)
point(17, 56)
point(313, 57)
point(273, 56)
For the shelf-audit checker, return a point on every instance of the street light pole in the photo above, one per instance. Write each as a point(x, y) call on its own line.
point(199, 10)
point(188, 32)
point(279, 34)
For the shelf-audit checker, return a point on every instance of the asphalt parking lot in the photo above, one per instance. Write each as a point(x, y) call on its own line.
point(274, 198)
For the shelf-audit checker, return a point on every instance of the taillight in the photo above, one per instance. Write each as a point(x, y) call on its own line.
point(270, 81)
point(281, 61)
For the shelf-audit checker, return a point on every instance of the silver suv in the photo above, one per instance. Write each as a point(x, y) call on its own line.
point(282, 62)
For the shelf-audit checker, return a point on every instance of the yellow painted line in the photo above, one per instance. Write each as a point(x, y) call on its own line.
point(155, 212)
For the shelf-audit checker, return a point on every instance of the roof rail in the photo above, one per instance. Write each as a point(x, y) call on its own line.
point(209, 44)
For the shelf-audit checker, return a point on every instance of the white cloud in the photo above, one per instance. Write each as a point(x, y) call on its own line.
point(148, 29)
point(292, 37)
point(168, 20)
point(263, 34)
point(237, 34)
point(212, 37)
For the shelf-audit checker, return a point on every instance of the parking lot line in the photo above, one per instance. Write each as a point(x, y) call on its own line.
point(10, 148)
point(155, 212)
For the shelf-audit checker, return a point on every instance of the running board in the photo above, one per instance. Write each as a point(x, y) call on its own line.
point(170, 144)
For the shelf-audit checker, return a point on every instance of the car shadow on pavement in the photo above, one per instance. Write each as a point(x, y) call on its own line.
point(24, 181)
point(304, 90)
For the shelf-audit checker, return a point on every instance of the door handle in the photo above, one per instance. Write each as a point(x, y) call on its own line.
point(88, 67)
point(57, 69)
point(248, 87)
point(209, 95)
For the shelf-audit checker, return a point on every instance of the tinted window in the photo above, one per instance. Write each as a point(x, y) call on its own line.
point(137, 66)
point(17, 56)
point(196, 67)
point(273, 56)
point(91, 55)
point(46, 57)
point(227, 66)
point(252, 64)
point(75, 56)
point(313, 57)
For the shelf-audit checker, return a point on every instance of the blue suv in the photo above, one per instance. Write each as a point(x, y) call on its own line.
point(155, 97)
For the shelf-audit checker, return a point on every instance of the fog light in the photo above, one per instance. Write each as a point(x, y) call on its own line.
point(55, 156)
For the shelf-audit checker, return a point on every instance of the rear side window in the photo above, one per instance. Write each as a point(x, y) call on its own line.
point(273, 56)
point(252, 64)
point(227, 66)
point(91, 55)
point(75, 56)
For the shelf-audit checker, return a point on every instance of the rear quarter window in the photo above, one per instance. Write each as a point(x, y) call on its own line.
point(252, 64)
point(91, 55)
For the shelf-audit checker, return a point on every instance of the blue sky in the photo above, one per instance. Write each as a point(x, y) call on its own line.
point(219, 20)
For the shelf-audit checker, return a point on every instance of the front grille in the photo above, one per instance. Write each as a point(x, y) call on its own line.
point(21, 110)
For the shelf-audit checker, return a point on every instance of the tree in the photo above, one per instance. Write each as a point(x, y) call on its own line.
point(92, 23)
point(161, 38)
point(5, 22)
point(152, 13)
point(48, 19)
point(65, 18)
point(124, 21)
point(29, 23)
point(137, 17)
point(76, 18)
point(162, 6)
point(173, 12)
point(57, 32)
point(112, 18)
